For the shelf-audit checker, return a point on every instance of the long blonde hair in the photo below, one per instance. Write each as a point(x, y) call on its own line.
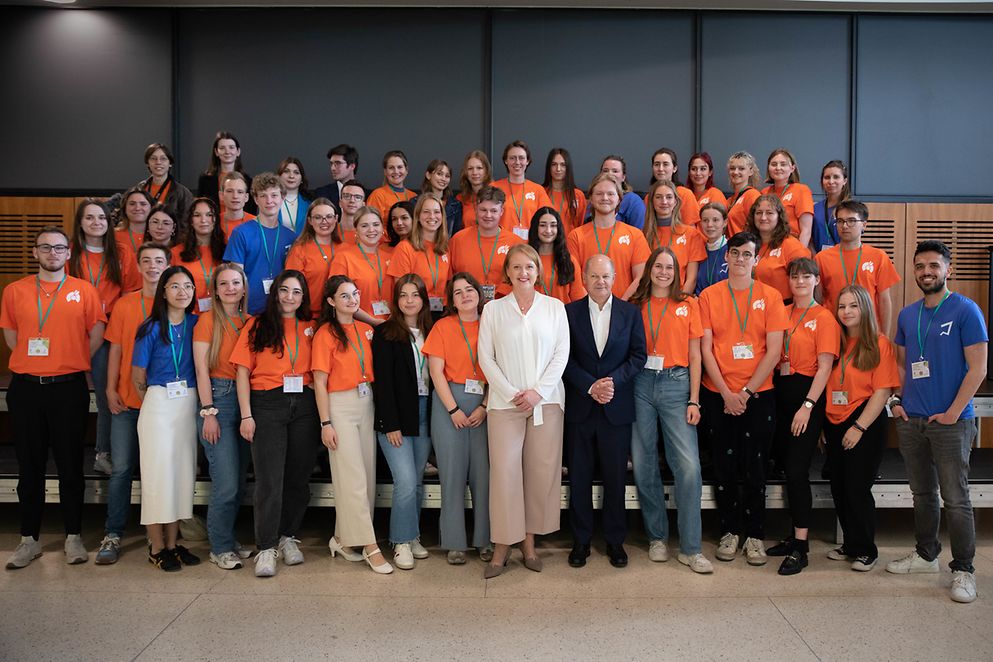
point(222, 322)
point(651, 220)
point(440, 236)
point(865, 354)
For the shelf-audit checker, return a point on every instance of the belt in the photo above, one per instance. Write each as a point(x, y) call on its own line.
point(54, 379)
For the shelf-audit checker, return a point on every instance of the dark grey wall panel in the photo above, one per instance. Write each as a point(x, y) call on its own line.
point(594, 83)
point(776, 80)
point(296, 82)
point(923, 120)
point(84, 93)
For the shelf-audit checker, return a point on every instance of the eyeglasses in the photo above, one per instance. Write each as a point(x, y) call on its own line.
point(328, 218)
point(176, 288)
point(848, 222)
point(59, 249)
point(338, 164)
point(744, 255)
point(352, 196)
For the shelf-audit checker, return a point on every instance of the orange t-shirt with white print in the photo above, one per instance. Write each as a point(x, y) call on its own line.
point(738, 210)
point(385, 197)
point(523, 200)
point(712, 194)
point(347, 366)
point(574, 291)
point(433, 269)
point(483, 257)
point(94, 270)
point(797, 200)
point(314, 262)
point(571, 217)
point(689, 246)
point(446, 341)
point(674, 324)
point(369, 272)
point(626, 246)
point(202, 270)
point(130, 311)
point(859, 386)
point(760, 313)
point(811, 332)
point(771, 268)
point(871, 268)
point(204, 332)
point(267, 368)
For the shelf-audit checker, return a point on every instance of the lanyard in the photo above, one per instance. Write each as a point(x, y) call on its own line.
point(920, 338)
point(294, 354)
point(596, 235)
point(486, 265)
point(143, 311)
point(713, 263)
point(397, 191)
point(472, 357)
point(736, 196)
point(789, 336)
point(827, 221)
point(748, 307)
point(378, 268)
point(551, 194)
point(51, 303)
point(519, 208)
point(780, 195)
point(96, 282)
point(844, 269)
point(655, 328)
point(265, 244)
point(844, 361)
point(207, 275)
point(419, 359)
point(437, 268)
point(131, 239)
point(236, 329)
point(172, 345)
point(359, 350)
point(291, 215)
point(551, 281)
point(323, 254)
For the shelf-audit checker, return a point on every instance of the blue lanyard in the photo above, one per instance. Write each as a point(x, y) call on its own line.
point(265, 244)
point(172, 345)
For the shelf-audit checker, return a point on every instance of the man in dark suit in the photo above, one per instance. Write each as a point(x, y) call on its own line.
point(607, 351)
point(343, 161)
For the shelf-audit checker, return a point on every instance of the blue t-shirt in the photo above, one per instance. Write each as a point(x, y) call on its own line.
point(156, 357)
point(632, 210)
point(957, 324)
point(714, 269)
point(824, 231)
point(261, 259)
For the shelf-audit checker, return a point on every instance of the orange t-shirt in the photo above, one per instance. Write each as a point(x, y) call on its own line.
point(130, 311)
point(574, 291)
point(712, 194)
point(523, 200)
point(434, 269)
point(369, 273)
point(204, 332)
point(797, 200)
point(689, 208)
point(268, 368)
point(202, 270)
point(873, 270)
point(859, 386)
point(674, 323)
point(771, 268)
point(94, 270)
point(689, 246)
point(229, 226)
point(348, 366)
point(571, 218)
point(765, 314)
point(468, 251)
point(314, 262)
point(446, 341)
point(128, 244)
point(624, 245)
point(385, 197)
point(811, 332)
point(738, 210)
point(72, 307)
point(468, 211)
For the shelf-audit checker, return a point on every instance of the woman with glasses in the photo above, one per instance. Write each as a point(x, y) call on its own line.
point(316, 248)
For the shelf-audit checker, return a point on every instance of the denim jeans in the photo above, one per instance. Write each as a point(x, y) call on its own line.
point(407, 466)
point(124, 451)
point(661, 395)
point(98, 373)
point(937, 457)
point(228, 460)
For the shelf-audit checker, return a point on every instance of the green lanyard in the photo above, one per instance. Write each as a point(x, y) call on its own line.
point(323, 254)
point(486, 265)
point(789, 336)
point(551, 281)
point(844, 269)
point(237, 329)
point(172, 345)
point(206, 275)
point(265, 244)
point(141, 299)
point(378, 269)
point(920, 338)
point(359, 350)
point(51, 303)
point(780, 195)
point(596, 235)
point(845, 360)
point(420, 359)
point(131, 239)
point(296, 353)
point(519, 208)
point(748, 307)
point(655, 329)
point(551, 194)
point(472, 356)
point(96, 282)
point(434, 272)
point(291, 217)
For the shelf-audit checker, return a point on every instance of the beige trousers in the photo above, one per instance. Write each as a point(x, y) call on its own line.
point(353, 467)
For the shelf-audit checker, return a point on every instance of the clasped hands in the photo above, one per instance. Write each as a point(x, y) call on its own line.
point(602, 390)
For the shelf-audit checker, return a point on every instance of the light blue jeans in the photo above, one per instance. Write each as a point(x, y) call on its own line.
point(661, 396)
point(407, 466)
point(124, 452)
point(98, 374)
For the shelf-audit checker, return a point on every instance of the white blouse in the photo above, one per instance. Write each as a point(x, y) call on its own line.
point(519, 352)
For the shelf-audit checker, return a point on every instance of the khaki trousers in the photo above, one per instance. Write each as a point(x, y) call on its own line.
point(353, 467)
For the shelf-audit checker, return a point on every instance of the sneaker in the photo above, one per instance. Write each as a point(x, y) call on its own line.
point(755, 552)
point(781, 549)
point(727, 549)
point(102, 465)
point(110, 550)
point(698, 563)
point(75, 552)
point(265, 562)
point(402, 556)
point(164, 560)
point(794, 562)
point(242, 552)
point(193, 529)
point(288, 547)
point(456, 557)
point(486, 554)
point(226, 560)
point(912, 564)
point(863, 563)
point(417, 549)
point(963, 586)
point(658, 551)
point(27, 551)
point(430, 470)
point(838, 554)
point(185, 556)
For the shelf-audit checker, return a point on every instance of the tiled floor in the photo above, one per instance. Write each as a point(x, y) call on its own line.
point(335, 609)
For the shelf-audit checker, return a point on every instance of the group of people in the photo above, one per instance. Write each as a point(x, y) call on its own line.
point(499, 328)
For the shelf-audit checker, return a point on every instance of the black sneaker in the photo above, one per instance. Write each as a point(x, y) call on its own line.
point(165, 560)
point(863, 563)
point(185, 556)
point(782, 549)
point(794, 562)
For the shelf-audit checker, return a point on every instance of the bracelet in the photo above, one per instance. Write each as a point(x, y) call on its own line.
point(690, 403)
point(245, 418)
point(209, 405)
point(858, 427)
point(324, 424)
point(749, 391)
point(453, 410)
point(812, 403)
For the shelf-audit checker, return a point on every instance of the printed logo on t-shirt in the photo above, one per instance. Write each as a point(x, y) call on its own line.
point(758, 304)
point(308, 332)
point(503, 250)
point(681, 240)
point(812, 325)
point(724, 268)
point(683, 311)
point(868, 266)
point(623, 240)
point(368, 334)
point(73, 296)
point(946, 329)
point(776, 252)
point(444, 258)
point(787, 197)
point(529, 196)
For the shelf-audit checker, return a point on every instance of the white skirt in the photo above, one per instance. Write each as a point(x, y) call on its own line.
point(167, 443)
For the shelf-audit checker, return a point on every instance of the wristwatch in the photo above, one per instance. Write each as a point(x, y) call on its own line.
point(894, 400)
point(808, 403)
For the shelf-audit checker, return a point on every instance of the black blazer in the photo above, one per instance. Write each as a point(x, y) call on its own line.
point(329, 191)
point(208, 187)
point(623, 358)
point(395, 387)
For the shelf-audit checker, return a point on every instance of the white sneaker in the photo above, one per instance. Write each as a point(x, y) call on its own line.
point(697, 562)
point(289, 549)
point(402, 556)
point(963, 586)
point(657, 551)
point(265, 562)
point(727, 549)
point(27, 551)
point(242, 552)
point(75, 551)
point(912, 564)
point(226, 560)
point(755, 552)
point(837, 554)
point(417, 549)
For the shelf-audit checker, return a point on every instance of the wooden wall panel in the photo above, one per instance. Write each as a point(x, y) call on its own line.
point(887, 229)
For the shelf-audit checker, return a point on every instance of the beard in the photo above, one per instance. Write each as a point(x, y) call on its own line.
point(937, 286)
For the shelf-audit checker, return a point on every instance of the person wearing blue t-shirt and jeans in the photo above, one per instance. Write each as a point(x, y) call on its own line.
point(941, 351)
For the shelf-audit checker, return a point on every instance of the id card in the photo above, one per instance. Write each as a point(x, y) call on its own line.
point(920, 370)
point(489, 291)
point(364, 390)
point(655, 362)
point(177, 390)
point(741, 351)
point(380, 308)
point(839, 397)
point(266, 284)
point(436, 305)
point(784, 369)
point(474, 386)
point(204, 304)
point(292, 383)
point(38, 346)
point(522, 233)
point(422, 387)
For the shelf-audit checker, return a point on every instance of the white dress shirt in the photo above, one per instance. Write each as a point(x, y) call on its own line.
point(600, 321)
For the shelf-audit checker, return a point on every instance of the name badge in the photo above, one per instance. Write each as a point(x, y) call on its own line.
point(489, 292)
point(784, 368)
point(380, 308)
point(177, 389)
point(38, 346)
point(655, 362)
point(920, 370)
point(364, 390)
point(292, 383)
point(422, 387)
point(839, 397)
point(436, 305)
point(741, 351)
point(204, 304)
point(266, 284)
point(522, 233)
point(474, 386)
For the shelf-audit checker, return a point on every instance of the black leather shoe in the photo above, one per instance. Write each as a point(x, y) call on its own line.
point(618, 557)
point(794, 562)
point(782, 549)
point(578, 555)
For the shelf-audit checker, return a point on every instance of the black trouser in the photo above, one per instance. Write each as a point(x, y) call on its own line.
point(796, 453)
point(284, 451)
point(740, 445)
point(853, 472)
point(596, 438)
point(43, 416)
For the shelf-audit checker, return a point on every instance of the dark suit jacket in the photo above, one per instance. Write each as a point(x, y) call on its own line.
point(623, 358)
point(329, 191)
point(395, 386)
